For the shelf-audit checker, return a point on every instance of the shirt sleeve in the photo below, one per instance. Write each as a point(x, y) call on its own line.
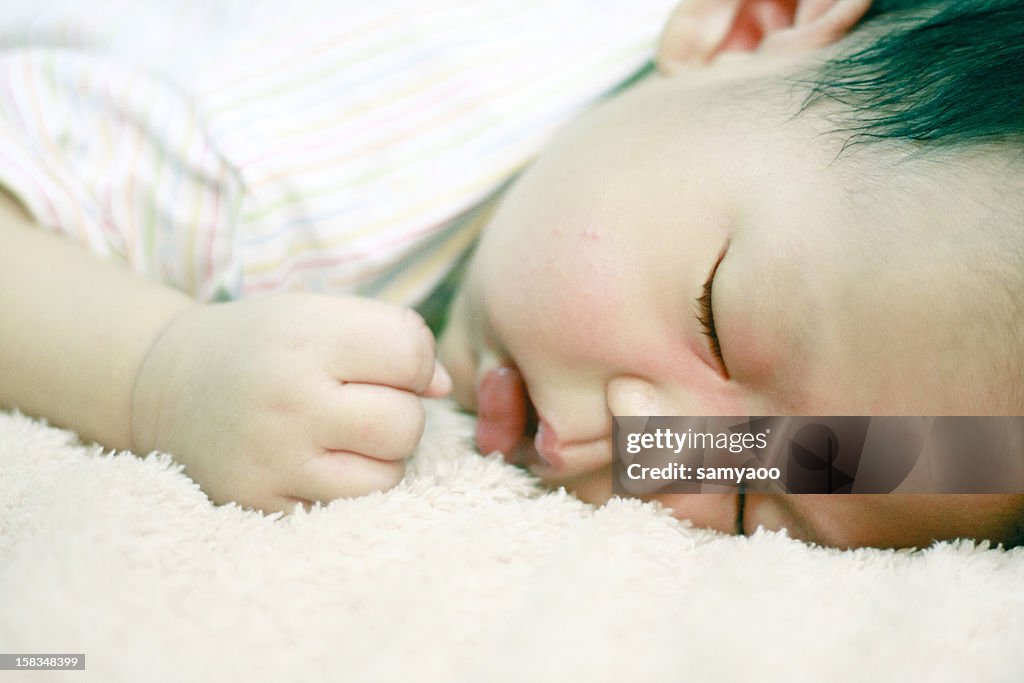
point(118, 158)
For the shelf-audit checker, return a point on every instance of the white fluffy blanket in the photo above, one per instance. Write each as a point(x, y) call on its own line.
point(468, 571)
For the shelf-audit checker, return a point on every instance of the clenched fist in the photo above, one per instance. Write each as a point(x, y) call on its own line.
point(288, 399)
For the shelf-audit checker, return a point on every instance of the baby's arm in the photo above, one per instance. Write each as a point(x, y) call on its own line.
point(73, 329)
point(267, 402)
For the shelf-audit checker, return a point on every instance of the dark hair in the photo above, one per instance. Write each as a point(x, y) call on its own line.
point(943, 76)
point(941, 73)
point(1016, 540)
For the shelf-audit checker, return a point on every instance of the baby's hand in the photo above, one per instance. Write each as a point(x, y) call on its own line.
point(292, 398)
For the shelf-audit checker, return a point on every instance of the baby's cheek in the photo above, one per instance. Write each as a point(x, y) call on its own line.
point(586, 318)
point(458, 361)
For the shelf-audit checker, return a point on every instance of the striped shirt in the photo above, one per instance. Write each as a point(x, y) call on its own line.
point(235, 148)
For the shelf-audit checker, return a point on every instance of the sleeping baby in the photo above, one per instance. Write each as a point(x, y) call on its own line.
point(802, 208)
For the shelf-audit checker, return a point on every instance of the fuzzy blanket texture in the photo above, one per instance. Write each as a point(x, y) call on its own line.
point(467, 571)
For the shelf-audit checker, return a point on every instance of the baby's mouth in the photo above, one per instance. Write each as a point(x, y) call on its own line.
point(506, 418)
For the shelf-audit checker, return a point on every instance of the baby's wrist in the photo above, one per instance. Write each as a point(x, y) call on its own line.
point(153, 380)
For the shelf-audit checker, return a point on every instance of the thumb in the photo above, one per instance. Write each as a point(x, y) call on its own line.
point(440, 383)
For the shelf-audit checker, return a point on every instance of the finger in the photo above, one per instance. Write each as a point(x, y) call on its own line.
point(440, 384)
point(369, 419)
point(382, 344)
point(330, 476)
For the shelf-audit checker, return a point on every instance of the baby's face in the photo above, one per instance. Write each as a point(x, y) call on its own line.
point(587, 277)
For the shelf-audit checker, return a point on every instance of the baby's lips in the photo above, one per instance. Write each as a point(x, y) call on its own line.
point(547, 446)
point(501, 411)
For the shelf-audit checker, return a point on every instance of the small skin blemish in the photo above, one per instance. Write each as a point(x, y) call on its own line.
point(592, 233)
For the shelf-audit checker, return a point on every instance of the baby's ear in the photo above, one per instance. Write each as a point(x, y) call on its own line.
point(700, 30)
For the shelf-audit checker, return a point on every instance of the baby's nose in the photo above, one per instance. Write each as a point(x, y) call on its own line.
point(629, 395)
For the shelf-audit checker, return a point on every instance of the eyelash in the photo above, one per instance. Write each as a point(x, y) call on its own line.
point(706, 318)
